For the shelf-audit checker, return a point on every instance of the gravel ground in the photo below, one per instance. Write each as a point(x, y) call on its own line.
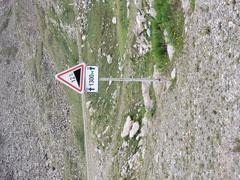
point(196, 132)
point(35, 138)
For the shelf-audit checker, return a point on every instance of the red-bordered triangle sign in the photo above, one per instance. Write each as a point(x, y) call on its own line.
point(73, 78)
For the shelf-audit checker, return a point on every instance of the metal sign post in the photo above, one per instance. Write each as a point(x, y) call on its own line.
point(129, 79)
point(82, 78)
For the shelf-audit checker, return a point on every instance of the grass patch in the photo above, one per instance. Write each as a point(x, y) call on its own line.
point(159, 47)
point(63, 50)
point(76, 114)
point(143, 66)
point(134, 102)
point(68, 14)
point(122, 25)
point(133, 107)
point(67, 45)
point(101, 41)
point(192, 5)
point(170, 18)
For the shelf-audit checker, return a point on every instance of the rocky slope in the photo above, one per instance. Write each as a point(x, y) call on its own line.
point(35, 138)
point(195, 134)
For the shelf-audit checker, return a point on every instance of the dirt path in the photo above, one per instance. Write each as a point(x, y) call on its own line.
point(87, 142)
point(90, 154)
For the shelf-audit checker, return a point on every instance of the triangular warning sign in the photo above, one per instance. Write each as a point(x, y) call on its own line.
point(73, 78)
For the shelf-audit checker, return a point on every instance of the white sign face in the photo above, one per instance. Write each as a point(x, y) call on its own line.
point(91, 79)
point(73, 78)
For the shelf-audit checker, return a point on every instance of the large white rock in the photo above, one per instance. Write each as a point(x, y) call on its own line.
point(171, 51)
point(134, 130)
point(127, 126)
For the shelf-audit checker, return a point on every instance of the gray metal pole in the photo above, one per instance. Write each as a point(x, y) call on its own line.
point(129, 79)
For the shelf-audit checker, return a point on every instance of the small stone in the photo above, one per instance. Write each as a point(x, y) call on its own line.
point(156, 157)
point(148, 32)
point(140, 143)
point(134, 130)
point(99, 52)
point(170, 50)
point(125, 144)
point(231, 24)
point(109, 59)
point(152, 12)
point(83, 37)
point(173, 73)
point(88, 103)
point(114, 20)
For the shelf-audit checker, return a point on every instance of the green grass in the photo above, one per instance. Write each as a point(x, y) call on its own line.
point(134, 102)
point(122, 25)
point(63, 50)
point(159, 47)
point(102, 35)
point(67, 45)
point(170, 18)
point(192, 5)
point(134, 108)
point(68, 14)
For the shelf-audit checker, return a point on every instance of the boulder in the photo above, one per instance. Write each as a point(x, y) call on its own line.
point(127, 127)
point(134, 130)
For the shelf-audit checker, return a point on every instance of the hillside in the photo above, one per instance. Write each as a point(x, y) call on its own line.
point(185, 126)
